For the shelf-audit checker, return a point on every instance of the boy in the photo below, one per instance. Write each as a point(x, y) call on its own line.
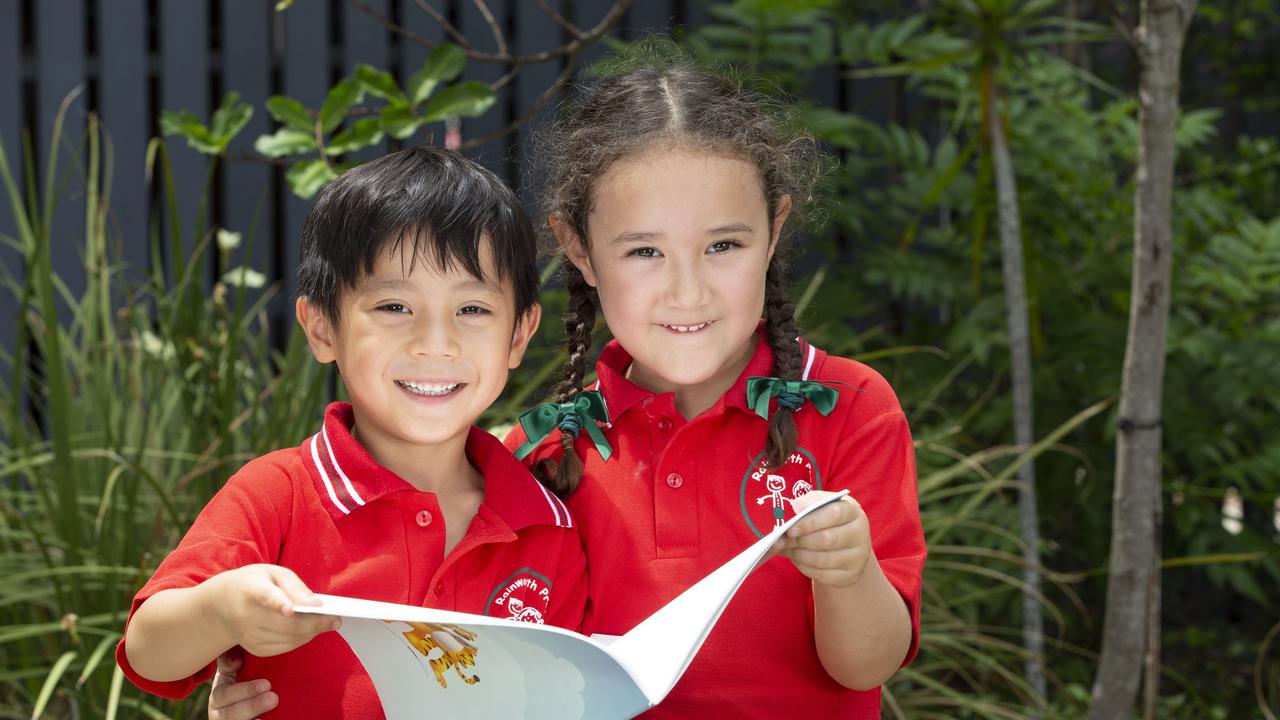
point(418, 279)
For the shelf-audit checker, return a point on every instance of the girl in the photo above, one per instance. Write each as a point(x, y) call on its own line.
point(669, 193)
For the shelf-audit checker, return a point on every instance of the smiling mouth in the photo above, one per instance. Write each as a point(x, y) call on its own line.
point(429, 389)
point(687, 328)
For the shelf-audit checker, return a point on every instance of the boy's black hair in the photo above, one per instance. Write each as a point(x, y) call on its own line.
point(438, 202)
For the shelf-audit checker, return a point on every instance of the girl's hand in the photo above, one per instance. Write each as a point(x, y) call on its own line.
point(831, 546)
point(231, 700)
point(255, 603)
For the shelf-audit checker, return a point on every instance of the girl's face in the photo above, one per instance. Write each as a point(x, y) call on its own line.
point(678, 245)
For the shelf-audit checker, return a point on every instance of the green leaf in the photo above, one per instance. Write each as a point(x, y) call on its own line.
point(379, 83)
point(230, 118)
point(285, 141)
point(283, 5)
point(466, 99)
point(307, 177)
point(51, 682)
point(346, 93)
point(185, 124)
point(443, 64)
point(1196, 127)
point(399, 121)
point(360, 134)
point(107, 644)
point(291, 113)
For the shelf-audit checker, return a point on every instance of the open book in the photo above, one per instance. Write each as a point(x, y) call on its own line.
point(449, 664)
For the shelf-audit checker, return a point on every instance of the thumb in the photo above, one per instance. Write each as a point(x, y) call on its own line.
point(230, 661)
point(294, 589)
point(810, 498)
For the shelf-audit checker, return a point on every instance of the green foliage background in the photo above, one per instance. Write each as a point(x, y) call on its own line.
point(123, 409)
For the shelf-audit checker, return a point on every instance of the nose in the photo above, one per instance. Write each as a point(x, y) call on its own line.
point(686, 281)
point(434, 337)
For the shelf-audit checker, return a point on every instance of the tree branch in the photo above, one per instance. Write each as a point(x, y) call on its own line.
point(440, 19)
point(583, 39)
point(569, 27)
point(569, 66)
point(499, 38)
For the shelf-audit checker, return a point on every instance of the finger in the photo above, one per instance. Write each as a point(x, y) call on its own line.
point(285, 634)
point(245, 709)
point(225, 694)
point(312, 625)
point(271, 596)
point(819, 560)
point(837, 537)
point(294, 589)
point(837, 513)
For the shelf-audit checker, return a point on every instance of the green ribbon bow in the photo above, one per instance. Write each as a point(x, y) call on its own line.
point(790, 393)
point(582, 413)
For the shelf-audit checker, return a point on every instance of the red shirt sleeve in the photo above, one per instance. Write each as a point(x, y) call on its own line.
point(243, 524)
point(876, 463)
point(880, 472)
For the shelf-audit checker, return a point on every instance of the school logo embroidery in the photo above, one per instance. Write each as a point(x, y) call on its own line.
point(766, 495)
point(525, 596)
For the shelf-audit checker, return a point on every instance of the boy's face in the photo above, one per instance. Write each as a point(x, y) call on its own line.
point(422, 350)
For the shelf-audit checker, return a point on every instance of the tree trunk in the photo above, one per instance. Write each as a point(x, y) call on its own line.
point(1130, 630)
point(1015, 299)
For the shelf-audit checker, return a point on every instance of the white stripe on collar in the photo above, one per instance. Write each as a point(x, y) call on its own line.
point(557, 508)
point(328, 485)
point(346, 481)
point(808, 365)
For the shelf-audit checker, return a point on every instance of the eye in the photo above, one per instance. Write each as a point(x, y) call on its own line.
point(393, 308)
point(722, 246)
point(646, 252)
point(473, 310)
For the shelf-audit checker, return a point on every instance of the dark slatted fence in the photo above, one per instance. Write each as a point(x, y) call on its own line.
point(127, 60)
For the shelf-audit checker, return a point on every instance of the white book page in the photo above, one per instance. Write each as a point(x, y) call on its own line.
point(660, 648)
point(473, 666)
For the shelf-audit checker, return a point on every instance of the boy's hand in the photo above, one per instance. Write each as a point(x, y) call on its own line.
point(231, 700)
point(255, 607)
point(831, 546)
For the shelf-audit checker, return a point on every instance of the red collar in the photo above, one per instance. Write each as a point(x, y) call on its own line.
point(347, 478)
point(620, 393)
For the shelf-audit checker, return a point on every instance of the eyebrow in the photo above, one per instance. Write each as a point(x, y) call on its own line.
point(639, 237)
point(377, 286)
point(730, 229)
point(635, 237)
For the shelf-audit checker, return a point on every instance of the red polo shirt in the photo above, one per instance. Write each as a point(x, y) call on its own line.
point(348, 526)
point(679, 498)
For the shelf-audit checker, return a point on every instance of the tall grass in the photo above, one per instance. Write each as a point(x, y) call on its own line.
point(124, 404)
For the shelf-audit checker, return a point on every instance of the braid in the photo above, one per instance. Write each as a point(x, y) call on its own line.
point(780, 333)
point(579, 321)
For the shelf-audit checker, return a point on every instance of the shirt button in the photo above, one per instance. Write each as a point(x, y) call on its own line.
point(674, 480)
point(423, 518)
point(439, 587)
point(664, 424)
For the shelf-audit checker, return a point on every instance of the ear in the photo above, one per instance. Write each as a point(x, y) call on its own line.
point(779, 220)
point(319, 330)
point(574, 248)
point(523, 333)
